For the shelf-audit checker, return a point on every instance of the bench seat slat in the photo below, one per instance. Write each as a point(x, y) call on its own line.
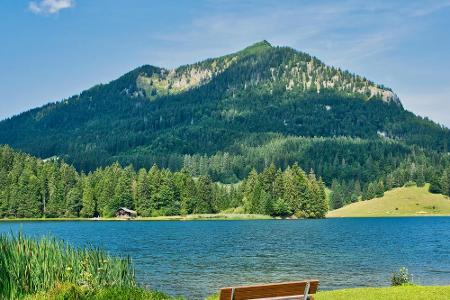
point(270, 291)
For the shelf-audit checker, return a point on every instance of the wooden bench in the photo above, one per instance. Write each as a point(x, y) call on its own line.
point(285, 290)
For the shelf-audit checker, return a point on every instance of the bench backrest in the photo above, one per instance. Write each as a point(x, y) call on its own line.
point(284, 290)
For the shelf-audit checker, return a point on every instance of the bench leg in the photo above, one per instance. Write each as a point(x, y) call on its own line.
point(306, 292)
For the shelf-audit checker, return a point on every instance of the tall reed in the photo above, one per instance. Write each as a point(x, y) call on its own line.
point(30, 265)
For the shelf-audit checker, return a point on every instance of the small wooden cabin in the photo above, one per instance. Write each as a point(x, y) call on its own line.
point(125, 213)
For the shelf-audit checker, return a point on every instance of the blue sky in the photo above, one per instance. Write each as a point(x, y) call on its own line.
point(52, 49)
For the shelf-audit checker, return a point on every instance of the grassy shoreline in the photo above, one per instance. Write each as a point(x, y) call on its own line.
point(205, 218)
point(218, 217)
point(195, 217)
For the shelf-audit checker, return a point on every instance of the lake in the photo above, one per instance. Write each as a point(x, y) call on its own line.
point(196, 258)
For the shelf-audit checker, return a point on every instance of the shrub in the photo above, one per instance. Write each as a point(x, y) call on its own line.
point(234, 210)
point(410, 183)
point(401, 277)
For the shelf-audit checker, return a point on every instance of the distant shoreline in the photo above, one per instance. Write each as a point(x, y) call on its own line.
point(209, 217)
point(388, 216)
point(196, 217)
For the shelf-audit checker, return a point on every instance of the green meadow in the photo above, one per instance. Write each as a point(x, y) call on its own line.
point(404, 201)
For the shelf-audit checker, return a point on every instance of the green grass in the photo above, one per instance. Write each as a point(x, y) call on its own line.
point(385, 293)
point(388, 293)
point(28, 266)
point(69, 291)
point(405, 201)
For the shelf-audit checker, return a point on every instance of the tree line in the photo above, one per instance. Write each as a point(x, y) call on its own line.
point(417, 169)
point(34, 188)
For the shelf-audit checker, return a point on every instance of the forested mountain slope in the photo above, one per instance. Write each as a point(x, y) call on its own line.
point(226, 115)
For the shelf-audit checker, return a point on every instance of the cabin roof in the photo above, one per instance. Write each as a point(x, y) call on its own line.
point(127, 210)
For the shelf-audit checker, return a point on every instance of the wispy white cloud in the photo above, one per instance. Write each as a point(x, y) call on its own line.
point(46, 7)
point(428, 7)
point(344, 32)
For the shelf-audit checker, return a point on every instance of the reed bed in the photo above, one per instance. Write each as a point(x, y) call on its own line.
point(29, 265)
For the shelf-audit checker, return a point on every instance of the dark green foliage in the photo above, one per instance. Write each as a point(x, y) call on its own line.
point(435, 184)
point(285, 193)
point(416, 169)
point(32, 188)
point(337, 195)
point(420, 178)
point(204, 196)
point(379, 189)
point(445, 182)
point(401, 277)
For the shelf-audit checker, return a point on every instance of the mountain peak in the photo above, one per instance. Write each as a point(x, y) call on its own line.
point(257, 47)
point(295, 71)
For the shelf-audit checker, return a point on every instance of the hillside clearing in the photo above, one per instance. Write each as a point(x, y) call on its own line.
point(404, 201)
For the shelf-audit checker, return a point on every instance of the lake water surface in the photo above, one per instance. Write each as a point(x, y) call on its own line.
point(196, 258)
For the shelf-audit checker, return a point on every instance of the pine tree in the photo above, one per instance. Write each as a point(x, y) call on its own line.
point(123, 194)
point(323, 201)
point(106, 190)
point(28, 194)
point(291, 193)
point(371, 192)
point(4, 193)
point(444, 183)
point(420, 177)
point(203, 196)
point(435, 184)
point(267, 204)
point(186, 184)
point(305, 193)
point(252, 191)
point(267, 178)
point(168, 198)
point(278, 186)
point(390, 182)
point(55, 192)
point(336, 196)
point(74, 201)
point(89, 206)
point(143, 196)
point(379, 189)
point(281, 208)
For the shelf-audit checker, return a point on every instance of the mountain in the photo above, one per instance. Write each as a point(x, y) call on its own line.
point(227, 115)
